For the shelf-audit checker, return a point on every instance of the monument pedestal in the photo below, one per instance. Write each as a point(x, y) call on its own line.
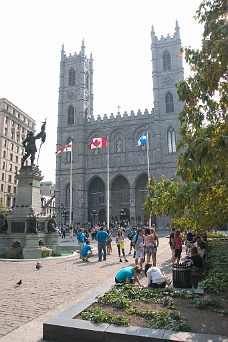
point(52, 241)
point(25, 220)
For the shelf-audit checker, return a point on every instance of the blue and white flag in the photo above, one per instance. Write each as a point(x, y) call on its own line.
point(142, 139)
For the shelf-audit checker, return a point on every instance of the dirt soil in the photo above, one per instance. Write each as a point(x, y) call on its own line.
point(205, 321)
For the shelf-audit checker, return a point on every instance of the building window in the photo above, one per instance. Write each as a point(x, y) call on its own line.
point(71, 77)
point(16, 169)
point(16, 159)
point(3, 165)
point(166, 61)
point(2, 189)
point(169, 103)
point(5, 131)
point(70, 117)
point(3, 176)
point(5, 143)
point(8, 202)
point(15, 180)
point(11, 147)
point(171, 140)
point(9, 188)
point(17, 149)
point(4, 154)
point(10, 179)
point(19, 115)
point(23, 130)
point(14, 190)
point(12, 124)
point(18, 138)
point(10, 167)
point(12, 135)
point(11, 156)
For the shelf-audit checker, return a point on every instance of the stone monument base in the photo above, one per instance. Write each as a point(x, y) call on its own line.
point(32, 253)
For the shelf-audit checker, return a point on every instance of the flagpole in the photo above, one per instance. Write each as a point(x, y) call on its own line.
point(70, 218)
point(108, 183)
point(148, 164)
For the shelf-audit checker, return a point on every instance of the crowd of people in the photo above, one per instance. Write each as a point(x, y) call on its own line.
point(143, 245)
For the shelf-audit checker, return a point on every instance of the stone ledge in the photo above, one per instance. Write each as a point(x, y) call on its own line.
point(64, 328)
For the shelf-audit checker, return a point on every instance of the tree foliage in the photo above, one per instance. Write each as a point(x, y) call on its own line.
point(201, 198)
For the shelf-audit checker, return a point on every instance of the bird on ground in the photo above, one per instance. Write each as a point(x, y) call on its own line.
point(19, 282)
point(38, 266)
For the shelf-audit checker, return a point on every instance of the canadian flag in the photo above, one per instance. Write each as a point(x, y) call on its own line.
point(67, 148)
point(97, 142)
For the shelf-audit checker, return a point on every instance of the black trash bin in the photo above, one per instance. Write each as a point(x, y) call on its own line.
point(182, 276)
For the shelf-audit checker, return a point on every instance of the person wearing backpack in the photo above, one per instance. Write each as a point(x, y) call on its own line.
point(131, 236)
point(138, 243)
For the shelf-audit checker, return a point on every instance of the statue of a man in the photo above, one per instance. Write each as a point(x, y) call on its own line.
point(30, 144)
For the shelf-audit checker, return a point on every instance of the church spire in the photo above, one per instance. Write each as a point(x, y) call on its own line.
point(152, 34)
point(177, 30)
point(83, 48)
point(62, 52)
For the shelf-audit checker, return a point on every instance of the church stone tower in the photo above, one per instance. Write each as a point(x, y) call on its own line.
point(128, 165)
point(75, 109)
point(167, 69)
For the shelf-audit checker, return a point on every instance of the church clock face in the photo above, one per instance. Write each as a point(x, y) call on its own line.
point(167, 81)
point(71, 95)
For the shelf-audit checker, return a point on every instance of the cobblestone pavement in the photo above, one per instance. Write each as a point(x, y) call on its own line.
point(58, 284)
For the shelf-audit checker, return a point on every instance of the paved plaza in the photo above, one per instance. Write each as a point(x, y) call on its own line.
point(57, 285)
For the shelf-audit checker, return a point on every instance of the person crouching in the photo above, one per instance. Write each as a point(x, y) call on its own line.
point(155, 277)
point(128, 275)
point(86, 251)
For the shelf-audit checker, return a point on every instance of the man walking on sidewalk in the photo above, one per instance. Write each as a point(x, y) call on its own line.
point(101, 237)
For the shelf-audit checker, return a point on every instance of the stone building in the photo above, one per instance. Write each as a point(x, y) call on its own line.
point(14, 126)
point(128, 168)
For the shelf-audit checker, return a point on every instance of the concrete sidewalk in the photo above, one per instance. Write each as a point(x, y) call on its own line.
point(58, 284)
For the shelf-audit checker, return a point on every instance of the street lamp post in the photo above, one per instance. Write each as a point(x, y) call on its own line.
point(122, 213)
point(94, 215)
point(62, 212)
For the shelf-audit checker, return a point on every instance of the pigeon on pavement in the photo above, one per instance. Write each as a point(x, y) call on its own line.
point(38, 266)
point(19, 282)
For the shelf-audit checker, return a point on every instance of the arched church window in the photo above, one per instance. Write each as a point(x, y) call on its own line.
point(87, 80)
point(171, 140)
point(124, 192)
point(166, 61)
point(71, 77)
point(169, 103)
point(70, 117)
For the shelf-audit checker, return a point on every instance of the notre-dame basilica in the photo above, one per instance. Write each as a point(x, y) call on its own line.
point(128, 167)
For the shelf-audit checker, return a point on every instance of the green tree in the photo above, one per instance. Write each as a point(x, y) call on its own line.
point(202, 194)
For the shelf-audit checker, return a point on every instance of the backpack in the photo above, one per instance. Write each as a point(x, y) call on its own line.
point(129, 236)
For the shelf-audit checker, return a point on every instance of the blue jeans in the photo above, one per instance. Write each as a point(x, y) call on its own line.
point(101, 247)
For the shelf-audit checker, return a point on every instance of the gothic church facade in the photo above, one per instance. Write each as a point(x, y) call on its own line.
point(128, 169)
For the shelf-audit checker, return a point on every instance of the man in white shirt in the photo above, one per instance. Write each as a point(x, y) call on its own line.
point(155, 278)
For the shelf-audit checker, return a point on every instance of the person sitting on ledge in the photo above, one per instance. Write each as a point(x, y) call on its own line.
point(128, 275)
point(155, 277)
point(196, 261)
point(87, 251)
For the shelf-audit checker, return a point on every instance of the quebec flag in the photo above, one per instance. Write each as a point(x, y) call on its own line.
point(142, 140)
